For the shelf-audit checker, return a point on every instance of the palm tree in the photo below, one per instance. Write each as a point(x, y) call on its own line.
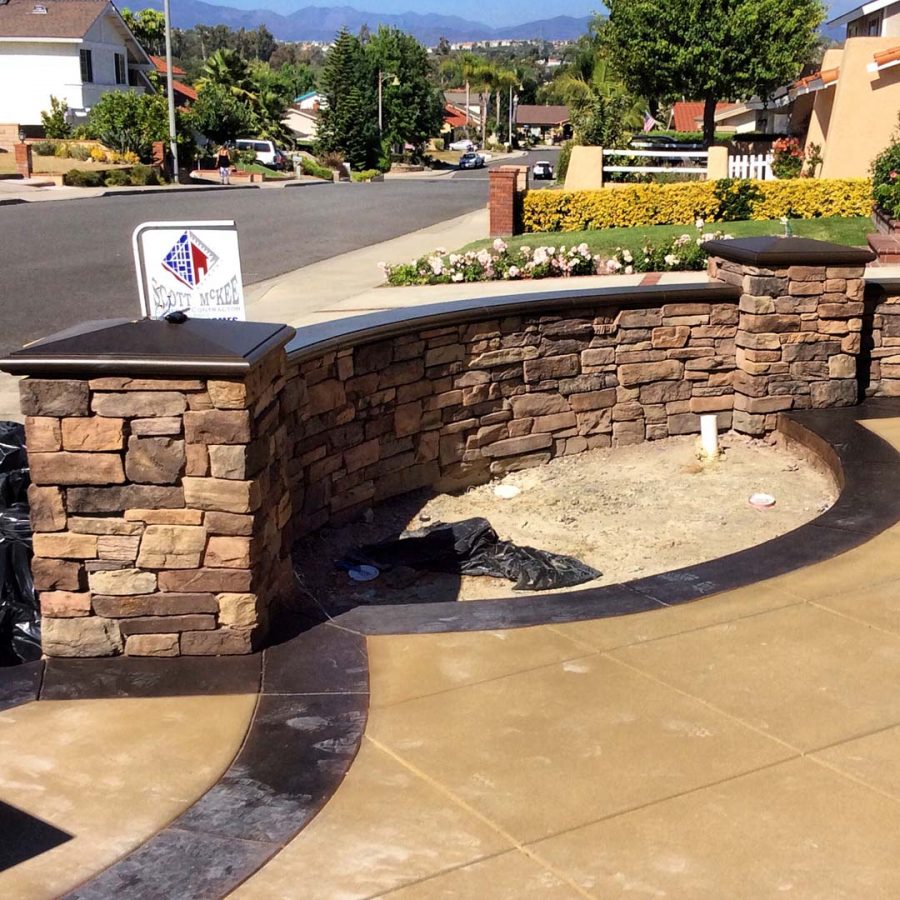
point(227, 68)
point(505, 79)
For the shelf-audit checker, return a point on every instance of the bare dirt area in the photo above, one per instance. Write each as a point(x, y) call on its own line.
point(628, 512)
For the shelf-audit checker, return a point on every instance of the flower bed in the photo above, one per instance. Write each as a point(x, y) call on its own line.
point(886, 180)
point(500, 262)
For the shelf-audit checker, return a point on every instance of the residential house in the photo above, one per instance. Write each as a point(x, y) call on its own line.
point(457, 98)
point(185, 95)
point(546, 123)
point(75, 50)
point(302, 116)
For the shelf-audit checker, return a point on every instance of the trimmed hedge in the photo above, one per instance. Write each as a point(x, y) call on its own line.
point(635, 205)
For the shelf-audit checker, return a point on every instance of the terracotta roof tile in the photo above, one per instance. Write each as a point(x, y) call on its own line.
point(63, 18)
point(892, 54)
point(160, 63)
point(542, 115)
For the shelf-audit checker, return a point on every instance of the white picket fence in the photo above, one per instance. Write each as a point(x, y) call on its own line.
point(756, 165)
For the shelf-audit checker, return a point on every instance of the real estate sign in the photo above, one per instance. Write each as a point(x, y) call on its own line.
point(189, 267)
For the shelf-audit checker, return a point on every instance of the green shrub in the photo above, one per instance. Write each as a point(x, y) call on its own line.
point(562, 163)
point(439, 145)
point(886, 178)
point(117, 178)
point(365, 175)
point(54, 120)
point(311, 167)
point(80, 152)
point(83, 133)
point(83, 178)
point(61, 151)
point(736, 198)
point(142, 175)
point(635, 205)
point(44, 148)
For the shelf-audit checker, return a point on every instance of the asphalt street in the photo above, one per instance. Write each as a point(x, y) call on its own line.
point(70, 261)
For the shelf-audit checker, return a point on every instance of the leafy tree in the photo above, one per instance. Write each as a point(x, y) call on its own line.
point(149, 27)
point(413, 107)
point(348, 123)
point(125, 120)
point(228, 69)
point(219, 115)
point(443, 47)
point(54, 120)
point(710, 50)
point(601, 121)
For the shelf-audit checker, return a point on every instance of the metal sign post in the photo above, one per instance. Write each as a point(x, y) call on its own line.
point(190, 267)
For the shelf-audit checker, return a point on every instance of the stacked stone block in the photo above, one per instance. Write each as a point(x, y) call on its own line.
point(883, 345)
point(158, 508)
point(457, 405)
point(798, 339)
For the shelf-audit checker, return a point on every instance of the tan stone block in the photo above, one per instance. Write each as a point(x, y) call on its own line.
point(228, 552)
point(221, 494)
point(171, 547)
point(120, 383)
point(504, 357)
point(155, 605)
point(199, 401)
point(228, 523)
point(237, 461)
point(154, 460)
point(520, 445)
point(65, 545)
point(592, 400)
point(46, 509)
point(196, 460)
point(644, 373)
point(65, 604)
point(163, 426)
point(756, 305)
point(104, 526)
point(81, 636)
point(118, 546)
point(165, 516)
point(221, 642)
point(212, 581)
point(152, 645)
point(842, 366)
point(238, 610)
point(53, 397)
point(92, 433)
point(122, 581)
point(217, 426)
point(42, 434)
point(228, 394)
point(56, 575)
point(139, 404)
point(74, 468)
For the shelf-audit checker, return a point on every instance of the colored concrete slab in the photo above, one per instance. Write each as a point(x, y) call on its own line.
point(794, 829)
point(871, 759)
point(417, 665)
point(873, 604)
point(109, 773)
point(801, 674)
point(511, 876)
point(541, 751)
point(384, 827)
point(620, 631)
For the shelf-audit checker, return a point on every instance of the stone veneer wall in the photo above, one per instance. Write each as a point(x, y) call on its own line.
point(145, 505)
point(882, 343)
point(456, 405)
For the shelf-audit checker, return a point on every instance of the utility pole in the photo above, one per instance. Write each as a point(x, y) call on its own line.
point(173, 141)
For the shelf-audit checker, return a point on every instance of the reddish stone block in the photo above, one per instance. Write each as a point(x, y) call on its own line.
point(70, 468)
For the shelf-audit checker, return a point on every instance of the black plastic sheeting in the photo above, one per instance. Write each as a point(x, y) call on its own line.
point(20, 618)
point(472, 547)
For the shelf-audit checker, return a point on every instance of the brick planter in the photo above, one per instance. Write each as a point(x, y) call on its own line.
point(884, 224)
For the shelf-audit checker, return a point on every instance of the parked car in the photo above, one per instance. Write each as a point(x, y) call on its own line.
point(542, 169)
point(471, 160)
point(465, 145)
point(266, 152)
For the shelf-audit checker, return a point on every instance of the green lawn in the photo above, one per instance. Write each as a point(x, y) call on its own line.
point(605, 241)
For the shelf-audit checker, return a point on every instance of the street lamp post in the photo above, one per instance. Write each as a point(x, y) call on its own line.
point(173, 144)
point(394, 82)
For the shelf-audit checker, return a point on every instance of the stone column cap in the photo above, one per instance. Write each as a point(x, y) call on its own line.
point(138, 347)
point(778, 252)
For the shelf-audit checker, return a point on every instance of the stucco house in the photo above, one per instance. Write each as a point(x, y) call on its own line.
point(73, 49)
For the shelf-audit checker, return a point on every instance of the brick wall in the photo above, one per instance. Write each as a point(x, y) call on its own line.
point(457, 405)
point(158, 508)
point(508, 185)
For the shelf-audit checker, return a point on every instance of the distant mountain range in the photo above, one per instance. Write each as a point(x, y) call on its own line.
point(319, 23)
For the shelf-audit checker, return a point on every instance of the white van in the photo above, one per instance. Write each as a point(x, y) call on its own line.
point(266, 152)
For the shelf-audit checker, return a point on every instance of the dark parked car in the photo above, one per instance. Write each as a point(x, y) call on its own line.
point(471, 161)
point(542, 169)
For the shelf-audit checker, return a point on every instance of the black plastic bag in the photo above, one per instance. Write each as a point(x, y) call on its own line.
point(20, 619)
point(472, 547)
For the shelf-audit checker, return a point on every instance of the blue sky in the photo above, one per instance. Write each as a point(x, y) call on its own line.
point(493, 12)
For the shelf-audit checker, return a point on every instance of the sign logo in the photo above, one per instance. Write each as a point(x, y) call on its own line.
point(190, 260)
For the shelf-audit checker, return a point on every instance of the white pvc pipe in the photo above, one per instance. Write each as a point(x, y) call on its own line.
point(709, 435)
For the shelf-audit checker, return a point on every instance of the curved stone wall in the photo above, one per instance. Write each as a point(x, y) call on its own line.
point(454, 404)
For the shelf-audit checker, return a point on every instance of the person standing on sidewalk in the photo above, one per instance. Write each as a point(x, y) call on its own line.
point(223, 161)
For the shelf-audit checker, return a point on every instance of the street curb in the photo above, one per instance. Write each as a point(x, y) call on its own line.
point(12, 201)
point(184, 189)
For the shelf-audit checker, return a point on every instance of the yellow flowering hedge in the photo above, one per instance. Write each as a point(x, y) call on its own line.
point(682, 203)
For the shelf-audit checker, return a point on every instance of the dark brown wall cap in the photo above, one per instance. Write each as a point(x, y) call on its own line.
point(196, 347)
point(779, 252)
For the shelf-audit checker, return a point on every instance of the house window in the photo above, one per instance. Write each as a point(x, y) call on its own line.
point(87, 66)
point(121, 71)
point(875, 26)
